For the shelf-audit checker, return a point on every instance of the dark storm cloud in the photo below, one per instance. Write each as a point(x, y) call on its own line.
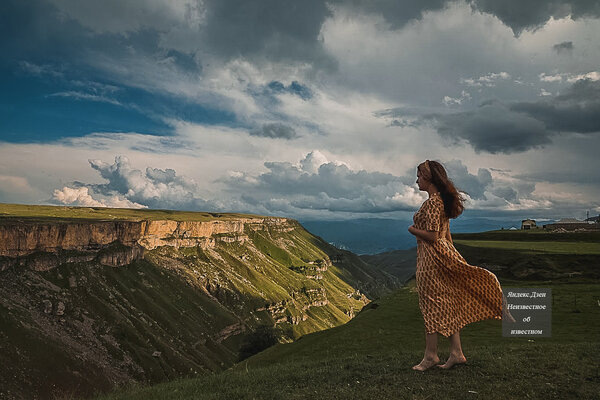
point(39, 33)
point(34, 31)
point(564, 47)
point(520, 15)
point(275, 130)
point(275, 29)
point(396, 12)
point(497, 127)
point(577, 110)
point(268, 29)
point(589, 176)
point(493, 128)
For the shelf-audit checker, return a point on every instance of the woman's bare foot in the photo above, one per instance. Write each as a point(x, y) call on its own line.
point(426, 363)
point(453, 360)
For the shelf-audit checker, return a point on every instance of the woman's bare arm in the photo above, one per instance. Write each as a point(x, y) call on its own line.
point(429, 236)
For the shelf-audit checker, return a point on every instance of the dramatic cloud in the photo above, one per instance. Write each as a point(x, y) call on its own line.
point(154, 188)
point(474, 185)
point(397, 13)
point(521, 15)
point(493, 128)
point(233, 95)
point(115, 16)
point(315, 183)
point(577, 110)
point(130, 187)
point(496, 127)
point(271, 29)
point(81, 197)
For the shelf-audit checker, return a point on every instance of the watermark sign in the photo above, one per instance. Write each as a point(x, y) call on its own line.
point(531, 309)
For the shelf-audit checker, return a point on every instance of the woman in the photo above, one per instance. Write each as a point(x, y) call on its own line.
point(452, 293)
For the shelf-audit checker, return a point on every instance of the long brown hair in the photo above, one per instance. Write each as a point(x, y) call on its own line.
point(436, 174)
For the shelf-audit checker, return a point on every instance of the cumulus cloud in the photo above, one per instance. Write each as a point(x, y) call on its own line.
point(80, 196)
point(315, 183)
point(490, 189)
point(315, 186)
point(133, 188)
point(474, 185)
point(155, 188)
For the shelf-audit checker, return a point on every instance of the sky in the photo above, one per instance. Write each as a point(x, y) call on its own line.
point(305, 109)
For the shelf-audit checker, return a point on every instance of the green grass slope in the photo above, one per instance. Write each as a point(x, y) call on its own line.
point(24, 212)
point(371, 355)
point(83, 328)
point(534, 254)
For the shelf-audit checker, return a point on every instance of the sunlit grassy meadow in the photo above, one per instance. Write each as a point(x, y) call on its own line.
point(371, 357)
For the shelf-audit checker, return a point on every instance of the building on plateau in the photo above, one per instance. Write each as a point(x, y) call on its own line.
point(571, 224)
point(528, 224)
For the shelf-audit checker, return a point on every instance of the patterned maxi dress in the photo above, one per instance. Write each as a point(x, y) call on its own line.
point(452, 293)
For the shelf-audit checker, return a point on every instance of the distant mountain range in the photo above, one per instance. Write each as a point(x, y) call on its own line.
point(379, 235)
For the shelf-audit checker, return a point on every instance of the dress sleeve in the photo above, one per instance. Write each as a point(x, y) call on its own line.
point(434, 216)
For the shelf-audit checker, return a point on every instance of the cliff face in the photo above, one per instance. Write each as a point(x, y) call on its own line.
point(24, 244)
point(89, 306)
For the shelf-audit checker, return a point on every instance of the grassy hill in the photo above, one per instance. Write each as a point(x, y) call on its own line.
point(533, 254)
point(371, 356)
point(24, 212)
point(82, 327)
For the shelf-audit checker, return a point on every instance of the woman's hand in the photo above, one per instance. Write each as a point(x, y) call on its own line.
point(413, 230)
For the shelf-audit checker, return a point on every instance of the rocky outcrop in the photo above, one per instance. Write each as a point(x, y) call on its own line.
point(301, 300)
point(230, 330)
point(42, 246)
